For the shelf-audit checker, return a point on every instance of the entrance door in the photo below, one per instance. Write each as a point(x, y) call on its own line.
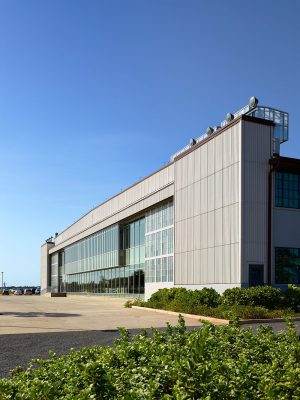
point(256, 275)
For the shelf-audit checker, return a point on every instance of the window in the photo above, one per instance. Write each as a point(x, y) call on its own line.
point(287, 265)
point(287, 190)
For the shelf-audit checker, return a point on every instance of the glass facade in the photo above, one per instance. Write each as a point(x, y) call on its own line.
point(287, 190)
point(159, 239)
point(114, 260)
point(54, 273)
point(287, 265)
point(109, 262)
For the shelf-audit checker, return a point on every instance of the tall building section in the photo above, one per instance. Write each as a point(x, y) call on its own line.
point(223, 213)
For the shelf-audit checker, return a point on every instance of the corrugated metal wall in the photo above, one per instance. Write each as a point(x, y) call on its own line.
point(256, 150)
point(207, 212)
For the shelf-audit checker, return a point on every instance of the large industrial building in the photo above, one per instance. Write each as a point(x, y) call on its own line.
point(223, 213)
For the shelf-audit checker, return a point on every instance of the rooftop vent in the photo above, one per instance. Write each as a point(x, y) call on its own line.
point(229, 117)
point(280, 119)
point(209, 130)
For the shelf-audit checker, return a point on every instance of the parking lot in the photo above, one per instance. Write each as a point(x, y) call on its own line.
point(30, 326)
point(37, 314)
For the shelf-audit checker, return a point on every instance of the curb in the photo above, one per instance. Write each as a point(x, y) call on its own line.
point(216, 321)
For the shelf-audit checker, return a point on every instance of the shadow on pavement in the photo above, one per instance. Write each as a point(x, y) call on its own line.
point(40, 314)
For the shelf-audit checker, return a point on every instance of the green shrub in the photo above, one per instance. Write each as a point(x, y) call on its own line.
point(183, 300)
point(163, 297)
point(213, 363)
point(207, 297)
point(134, 302)
point(292, 297)
point(264, 296)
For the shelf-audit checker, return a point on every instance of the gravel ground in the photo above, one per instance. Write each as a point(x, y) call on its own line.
point(20, 348)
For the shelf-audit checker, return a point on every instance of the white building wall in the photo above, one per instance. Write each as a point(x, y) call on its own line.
point(45, 266)
point(256, 153)
point(208, 213)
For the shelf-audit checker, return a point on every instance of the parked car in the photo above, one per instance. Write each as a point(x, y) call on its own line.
point(28, 292)
point(37, 291)
point(18, 292)
point(5, 292)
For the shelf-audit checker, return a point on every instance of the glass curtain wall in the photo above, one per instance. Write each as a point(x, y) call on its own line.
point(287, 190)
point(287, 265)
point(90, 265)
point(109, 262)
point(159, 239)
point(54, 273)
point(132, 257)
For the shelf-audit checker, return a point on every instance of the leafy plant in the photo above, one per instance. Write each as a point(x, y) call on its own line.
point(264, 296)
point(213, 363)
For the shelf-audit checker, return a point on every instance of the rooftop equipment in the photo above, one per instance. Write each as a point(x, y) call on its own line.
point(280, 119)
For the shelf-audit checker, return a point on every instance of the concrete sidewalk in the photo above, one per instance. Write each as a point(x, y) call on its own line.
point(37, 314)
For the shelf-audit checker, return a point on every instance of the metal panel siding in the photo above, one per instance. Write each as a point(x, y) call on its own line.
point(184, 268)
point(197, 164)
point(190, 201)
point(203, 195)
point(213, 210)
point(227, 159)
point(219, 153)
point(197, 233)
point(219, 227)
point(190, 267)
point(211, 157)
point(226, 225)
point(45, 265)
point(256, 150)
point(218, 189)
point(211, 193)
point(203, 231)
point(227, 266)
point(191, 168)
point(235, 277)
point(203, 161)
point(218, 264)
point(211, 229)
point(184, 235)
point(210, 265)
point(190, 234)
point(197, 266)
point(196, 201)
point(204, 266)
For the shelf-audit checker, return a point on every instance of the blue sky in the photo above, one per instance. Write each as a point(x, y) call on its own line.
point(96, 94)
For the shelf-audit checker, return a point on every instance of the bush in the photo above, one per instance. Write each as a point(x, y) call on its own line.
point(247, 303)
point(213, 363)
point(163, 297)
point(207, 297)
point(183, 300)
point(134, 302)
point(292, 298)
point(264, 296)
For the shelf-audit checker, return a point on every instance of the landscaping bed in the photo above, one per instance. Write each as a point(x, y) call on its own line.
point(212, 362)
point(261, 302)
